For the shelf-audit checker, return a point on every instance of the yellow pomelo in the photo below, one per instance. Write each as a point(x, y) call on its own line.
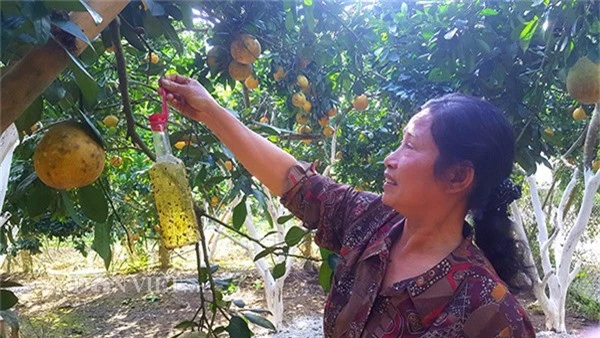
point(279, 74)
point(116, 161)
point(301, 118)
point(579, 114)
point(324, 121)
point(298, 99)
point(245, 49)
point(331, 112)
point(239, 71)
point(306, 106)
point(111, 121)
point(583, 81)
point(302, 81)
point(361, 102)
point(251, 82)
point(153, 58)
point(67, 157)
point(328, 131)
point(212, 57)
point(228, 165)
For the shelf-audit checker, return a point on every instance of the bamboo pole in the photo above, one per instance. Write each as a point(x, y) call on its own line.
point(32, 74)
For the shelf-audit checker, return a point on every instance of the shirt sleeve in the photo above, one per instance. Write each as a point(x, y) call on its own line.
point(323, 204)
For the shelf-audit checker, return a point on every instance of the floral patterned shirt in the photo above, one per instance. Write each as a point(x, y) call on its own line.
point(462, 296)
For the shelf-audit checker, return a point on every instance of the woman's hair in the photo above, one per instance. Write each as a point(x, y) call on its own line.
point(470, 130)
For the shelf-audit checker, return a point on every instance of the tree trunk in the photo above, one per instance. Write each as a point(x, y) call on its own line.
point(306, 250)
point(26, 261)
point(274, 296)
point(164, 257)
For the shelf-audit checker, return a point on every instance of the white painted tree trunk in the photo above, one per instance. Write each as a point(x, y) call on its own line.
point(8, 142)
point(551, 288)
point(273, 287)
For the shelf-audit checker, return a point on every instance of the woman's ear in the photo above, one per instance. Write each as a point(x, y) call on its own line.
point(460, 177)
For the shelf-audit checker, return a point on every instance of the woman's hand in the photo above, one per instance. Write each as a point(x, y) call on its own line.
point(188, 96)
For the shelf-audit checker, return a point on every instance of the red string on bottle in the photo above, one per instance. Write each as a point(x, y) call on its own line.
point(158, 121)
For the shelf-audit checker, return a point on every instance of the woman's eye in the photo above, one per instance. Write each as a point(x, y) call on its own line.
point(407, 144)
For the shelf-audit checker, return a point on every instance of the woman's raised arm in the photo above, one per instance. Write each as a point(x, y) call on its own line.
point(261, 158)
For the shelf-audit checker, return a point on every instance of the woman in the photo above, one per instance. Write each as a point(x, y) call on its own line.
point(408, 264)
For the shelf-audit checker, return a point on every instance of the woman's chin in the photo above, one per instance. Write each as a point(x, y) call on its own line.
point(387, 199)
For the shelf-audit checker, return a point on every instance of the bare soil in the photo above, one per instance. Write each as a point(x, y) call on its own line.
point(74, 296)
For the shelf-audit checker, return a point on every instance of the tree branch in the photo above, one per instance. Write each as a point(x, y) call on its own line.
point(591, 139)
point(122, 72)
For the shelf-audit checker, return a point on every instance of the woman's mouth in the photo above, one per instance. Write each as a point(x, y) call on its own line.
point(389, 180)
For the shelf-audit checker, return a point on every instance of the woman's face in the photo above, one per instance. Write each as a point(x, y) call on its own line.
point(410, 184)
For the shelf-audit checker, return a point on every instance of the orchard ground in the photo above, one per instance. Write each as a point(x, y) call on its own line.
point(69, 295)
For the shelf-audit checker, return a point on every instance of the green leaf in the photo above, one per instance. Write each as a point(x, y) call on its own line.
point(39, 199)
point(488, 12)
point(90, 128)
point(7, 300)
point(93, 203)
point(261, 199)
point(294, 236)
point(239, 214)
point(171, 34)
point(203, 272)
point(259, 320)
point(186, 324)
point(101, 242)
point(264, 253)
point(258, 310)
point(238, 328)
point(30, 116)
point(188, 14)
point(279, 270)
point(290, 14)
point(55, 92)
point(308, 15)
point(24, 184)
point(87, 84)
point(527, 32)
point(132, 38)
point(69, 207)
point(285, 218)
point(73, 29)
point(9, 284)
point(69, 5)
point(325, 275)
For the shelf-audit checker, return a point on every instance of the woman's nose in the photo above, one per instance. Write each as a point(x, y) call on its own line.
point(389, 161)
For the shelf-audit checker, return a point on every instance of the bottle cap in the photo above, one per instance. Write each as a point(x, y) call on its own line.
point(158, 121)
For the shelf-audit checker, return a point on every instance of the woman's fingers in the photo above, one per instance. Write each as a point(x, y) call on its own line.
point(172, 86)
point(178, 78)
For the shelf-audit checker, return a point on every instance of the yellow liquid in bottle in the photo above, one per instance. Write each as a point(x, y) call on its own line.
point(174, 204)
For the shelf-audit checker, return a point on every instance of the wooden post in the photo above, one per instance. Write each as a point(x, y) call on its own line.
point(32, 74)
